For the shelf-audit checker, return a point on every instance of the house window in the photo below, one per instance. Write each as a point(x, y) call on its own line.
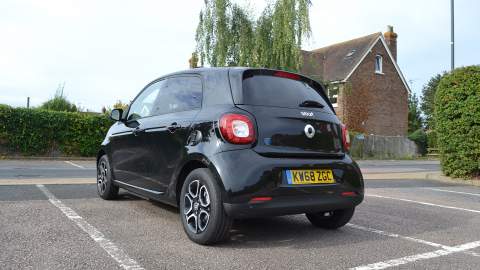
point(332, 92)
point(378, 64)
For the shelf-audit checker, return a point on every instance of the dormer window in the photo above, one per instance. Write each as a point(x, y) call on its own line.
point(378, 64)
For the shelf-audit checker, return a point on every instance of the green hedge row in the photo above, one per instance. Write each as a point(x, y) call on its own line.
point(457, 120)
point(42, 132)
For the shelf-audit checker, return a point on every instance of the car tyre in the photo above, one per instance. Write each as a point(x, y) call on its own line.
point(105, 186)
point(331, 220)
point(201, 209)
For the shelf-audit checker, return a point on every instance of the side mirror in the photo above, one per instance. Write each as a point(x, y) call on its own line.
point(116, 114)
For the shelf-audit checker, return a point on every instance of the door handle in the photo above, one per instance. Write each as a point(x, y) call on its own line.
point(174, 126)
point(137, 131)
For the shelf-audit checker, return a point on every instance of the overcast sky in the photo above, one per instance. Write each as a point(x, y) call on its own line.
point(108, 50)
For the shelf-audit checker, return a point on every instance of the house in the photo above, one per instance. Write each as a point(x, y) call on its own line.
point(364, 82)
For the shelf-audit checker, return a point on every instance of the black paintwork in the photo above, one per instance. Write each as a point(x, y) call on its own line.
point(150, 156)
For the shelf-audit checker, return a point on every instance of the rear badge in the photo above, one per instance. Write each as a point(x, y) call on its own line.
point(309, 131)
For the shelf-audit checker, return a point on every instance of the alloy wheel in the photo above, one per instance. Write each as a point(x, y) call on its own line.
point(102, 177)
point(197, 207)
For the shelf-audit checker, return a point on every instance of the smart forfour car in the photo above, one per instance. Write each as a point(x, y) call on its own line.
point(232, 143)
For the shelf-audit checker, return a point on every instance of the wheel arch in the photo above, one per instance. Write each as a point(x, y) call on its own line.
point(195, 161)
point(100, 153)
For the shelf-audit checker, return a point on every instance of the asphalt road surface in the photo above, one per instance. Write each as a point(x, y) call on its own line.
point(402, 224)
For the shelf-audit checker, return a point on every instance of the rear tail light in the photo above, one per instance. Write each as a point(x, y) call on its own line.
point(345, 138)
point(237, 128)
point(349, 194)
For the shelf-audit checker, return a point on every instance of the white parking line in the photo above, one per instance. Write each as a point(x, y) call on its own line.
point(418, 257)
point(451, 191)
point(394, 235)
point(115, 252)
point(73, 164)
point(424, 203)
point(409, 238)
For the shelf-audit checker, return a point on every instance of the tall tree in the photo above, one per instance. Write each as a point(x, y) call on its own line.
point(228, 35)
point(414, 118)
point(428, 100)
point(290, 25)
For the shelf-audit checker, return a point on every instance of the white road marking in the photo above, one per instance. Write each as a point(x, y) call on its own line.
point(418, 257)
point(451, 191)
point(73, 164)
point(409, 238)
point(115, 252)
point(424, 203)
point(394, 235)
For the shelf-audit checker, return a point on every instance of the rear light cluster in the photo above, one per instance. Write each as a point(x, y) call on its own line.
point(345, 138)
point(237, 128)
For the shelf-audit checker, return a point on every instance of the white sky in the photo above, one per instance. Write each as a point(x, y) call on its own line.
point(108, 50)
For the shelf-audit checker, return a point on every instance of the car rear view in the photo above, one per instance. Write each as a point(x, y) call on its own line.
point(298, 161)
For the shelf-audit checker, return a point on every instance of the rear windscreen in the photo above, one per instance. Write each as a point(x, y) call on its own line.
point(267, 90)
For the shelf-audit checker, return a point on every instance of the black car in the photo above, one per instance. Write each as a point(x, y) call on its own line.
point(233, 143)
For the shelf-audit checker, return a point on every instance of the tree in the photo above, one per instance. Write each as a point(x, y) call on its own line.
point(227, 35)
point(59, 102)
point(428, 100)
point(414, 118)
point(290, 25)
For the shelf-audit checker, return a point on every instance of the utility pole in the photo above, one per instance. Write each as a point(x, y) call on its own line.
point(452, 34)
point(28, 102)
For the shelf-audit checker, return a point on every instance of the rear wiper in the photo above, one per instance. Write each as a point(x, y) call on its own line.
point(312, 104)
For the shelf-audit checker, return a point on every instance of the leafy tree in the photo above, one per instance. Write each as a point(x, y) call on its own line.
point(428, 100)
point(414, 118)
point(227, 35)
point(290, 25)
point(59, 102)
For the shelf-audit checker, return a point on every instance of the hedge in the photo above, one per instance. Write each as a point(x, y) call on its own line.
point(457, 119)
point(42, 132)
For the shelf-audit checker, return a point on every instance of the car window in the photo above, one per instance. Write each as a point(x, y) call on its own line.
point(279, 92)
point(143, 105)
point(179, 94)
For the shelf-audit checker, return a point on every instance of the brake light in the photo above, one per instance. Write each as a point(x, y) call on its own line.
point(345, 138)
point(286, 75)
point(237, 128)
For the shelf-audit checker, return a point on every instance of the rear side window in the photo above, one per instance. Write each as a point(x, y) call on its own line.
point(268, 90)
point(179, 94)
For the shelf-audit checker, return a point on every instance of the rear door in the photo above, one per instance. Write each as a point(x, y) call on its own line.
point(293, 115)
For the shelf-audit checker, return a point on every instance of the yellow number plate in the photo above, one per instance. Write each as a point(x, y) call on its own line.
point(300, 177)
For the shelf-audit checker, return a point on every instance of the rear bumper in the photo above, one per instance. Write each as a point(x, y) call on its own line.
point(245, 174)
point(292, 205)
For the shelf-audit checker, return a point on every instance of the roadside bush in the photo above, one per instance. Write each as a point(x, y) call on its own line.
point(457, 120)
point(44, 132)
point(420, 138)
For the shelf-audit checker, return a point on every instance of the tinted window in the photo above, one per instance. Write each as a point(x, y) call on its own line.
point(279, 92)
point(179, 94)
point(143, 105)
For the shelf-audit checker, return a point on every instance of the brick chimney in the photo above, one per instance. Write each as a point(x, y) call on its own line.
point(391, 39)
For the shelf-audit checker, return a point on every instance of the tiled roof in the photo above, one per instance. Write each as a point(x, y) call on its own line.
point(335, 62)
